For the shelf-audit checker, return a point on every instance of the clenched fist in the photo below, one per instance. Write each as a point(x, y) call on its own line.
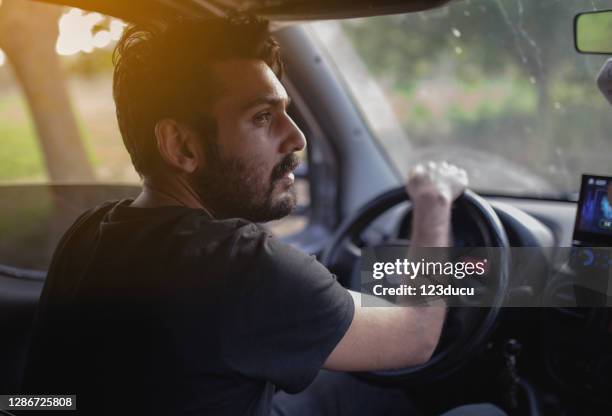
point(433, 181)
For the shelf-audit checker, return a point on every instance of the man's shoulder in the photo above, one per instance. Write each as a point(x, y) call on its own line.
point(198, 226)
point(234, 239)
point(244, 246)
point(87, 221)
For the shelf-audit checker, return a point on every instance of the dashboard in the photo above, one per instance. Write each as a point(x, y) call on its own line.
point(573, 346)
point(565, 348)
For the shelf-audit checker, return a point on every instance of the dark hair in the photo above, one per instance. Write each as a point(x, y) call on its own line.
point(165, 70)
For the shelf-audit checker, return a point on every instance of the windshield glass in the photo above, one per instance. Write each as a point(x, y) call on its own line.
point(495, 87)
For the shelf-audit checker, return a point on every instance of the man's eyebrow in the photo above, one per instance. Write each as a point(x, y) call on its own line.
point(273, 100)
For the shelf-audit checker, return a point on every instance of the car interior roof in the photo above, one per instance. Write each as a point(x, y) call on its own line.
point(147, 10)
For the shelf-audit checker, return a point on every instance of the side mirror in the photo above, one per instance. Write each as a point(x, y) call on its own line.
point(593, 32)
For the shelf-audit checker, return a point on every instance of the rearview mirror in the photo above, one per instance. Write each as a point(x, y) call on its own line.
point(593, 32)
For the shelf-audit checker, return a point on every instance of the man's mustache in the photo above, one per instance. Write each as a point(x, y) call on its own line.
point(288, 164)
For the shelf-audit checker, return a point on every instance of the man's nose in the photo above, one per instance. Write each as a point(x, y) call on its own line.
point(294, 140)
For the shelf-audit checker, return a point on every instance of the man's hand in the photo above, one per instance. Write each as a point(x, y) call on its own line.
point(432, 188)
point(436, 181)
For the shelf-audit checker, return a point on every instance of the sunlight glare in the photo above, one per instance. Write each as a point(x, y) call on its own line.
point(102, 39)
point(116, 29)
point(75, 32)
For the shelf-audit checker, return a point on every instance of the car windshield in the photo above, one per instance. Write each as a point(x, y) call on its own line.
point(493, 86)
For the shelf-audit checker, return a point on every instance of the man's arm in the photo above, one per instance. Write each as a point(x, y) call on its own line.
point(389, 337)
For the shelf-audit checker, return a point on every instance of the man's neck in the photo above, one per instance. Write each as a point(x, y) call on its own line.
point(168, 192)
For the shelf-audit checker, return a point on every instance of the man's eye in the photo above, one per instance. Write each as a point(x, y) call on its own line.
point(262, 118)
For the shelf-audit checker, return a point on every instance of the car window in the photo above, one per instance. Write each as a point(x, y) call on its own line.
point(83, 42)
point(84, 47)
point(493, 86)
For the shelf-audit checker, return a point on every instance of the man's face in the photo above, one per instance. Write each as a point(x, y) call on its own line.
point(247, 173)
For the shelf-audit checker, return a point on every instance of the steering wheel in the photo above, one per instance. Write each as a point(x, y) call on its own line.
point(466, 329)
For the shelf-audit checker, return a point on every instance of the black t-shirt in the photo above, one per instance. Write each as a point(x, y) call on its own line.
point(167, 311)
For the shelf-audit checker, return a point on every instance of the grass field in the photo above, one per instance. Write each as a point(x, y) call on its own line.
point(21, 158)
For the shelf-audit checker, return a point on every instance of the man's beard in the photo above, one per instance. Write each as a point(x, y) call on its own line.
point(234, 188)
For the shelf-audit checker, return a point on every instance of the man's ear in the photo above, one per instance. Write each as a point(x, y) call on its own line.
point(177, 145)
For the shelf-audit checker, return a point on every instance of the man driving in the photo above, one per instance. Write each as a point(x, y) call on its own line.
point(177, 302)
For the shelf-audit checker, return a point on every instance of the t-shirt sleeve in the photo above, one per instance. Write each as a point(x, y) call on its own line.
point(288, 313)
